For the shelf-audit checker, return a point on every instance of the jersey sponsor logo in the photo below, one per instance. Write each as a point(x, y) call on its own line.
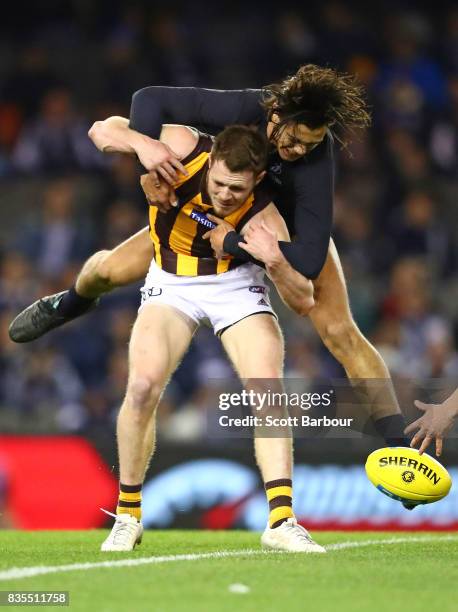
point(202, 218)
point(257, 289)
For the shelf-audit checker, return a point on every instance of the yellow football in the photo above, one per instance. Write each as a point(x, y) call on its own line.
point(403, 474)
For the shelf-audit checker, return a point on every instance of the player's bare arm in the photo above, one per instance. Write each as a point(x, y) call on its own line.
point(113, 135)
point(436, 422)
point(261, 235)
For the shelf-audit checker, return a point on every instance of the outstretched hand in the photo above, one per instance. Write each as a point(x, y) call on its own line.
point(435, 423)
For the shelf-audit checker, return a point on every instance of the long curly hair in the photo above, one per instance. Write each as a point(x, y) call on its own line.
point(317, 96)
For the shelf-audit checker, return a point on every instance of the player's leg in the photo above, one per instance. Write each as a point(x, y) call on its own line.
point(102, 272)
point(125, 264)
point(255, 347)
point(160, 337)
point(363, 364)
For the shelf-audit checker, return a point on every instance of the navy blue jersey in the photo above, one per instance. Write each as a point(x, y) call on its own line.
point(304, 188)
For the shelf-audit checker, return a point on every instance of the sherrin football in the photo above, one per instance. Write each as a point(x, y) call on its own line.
point(403, 474)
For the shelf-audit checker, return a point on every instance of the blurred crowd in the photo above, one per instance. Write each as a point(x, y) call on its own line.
point(65, 65)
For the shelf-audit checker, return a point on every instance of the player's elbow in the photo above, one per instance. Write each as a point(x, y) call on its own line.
point(305, 306)
point(152, 94)
point(97, 134)
point(141, 94)
point(308, 301)
point(94, 130)
point(313, 266)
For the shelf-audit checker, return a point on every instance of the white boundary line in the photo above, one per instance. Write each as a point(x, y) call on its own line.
point(16, 573)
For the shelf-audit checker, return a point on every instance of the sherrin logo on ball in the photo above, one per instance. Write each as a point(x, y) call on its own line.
point(403, 474)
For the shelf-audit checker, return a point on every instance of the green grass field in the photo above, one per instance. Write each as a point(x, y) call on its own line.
point(367, 572)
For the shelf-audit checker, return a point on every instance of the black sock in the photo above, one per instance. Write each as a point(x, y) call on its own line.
point(391, 428)
point(73, 305)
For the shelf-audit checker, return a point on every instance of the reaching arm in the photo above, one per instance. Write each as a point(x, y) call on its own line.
point(113, 135)
point(436, 422)
point(154, 106)
point(261, 235)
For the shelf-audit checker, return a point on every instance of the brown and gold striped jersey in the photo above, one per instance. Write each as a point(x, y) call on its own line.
point(177, 234)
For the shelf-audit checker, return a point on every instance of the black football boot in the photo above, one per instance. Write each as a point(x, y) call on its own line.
point(40, 317)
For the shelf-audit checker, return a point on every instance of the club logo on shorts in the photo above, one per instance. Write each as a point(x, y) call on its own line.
point(150, 292)
point(257, 289)
point(408, 476)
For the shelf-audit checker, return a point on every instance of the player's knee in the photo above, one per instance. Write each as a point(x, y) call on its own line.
point(143, 394)
point(267, 397)
point(103, 267)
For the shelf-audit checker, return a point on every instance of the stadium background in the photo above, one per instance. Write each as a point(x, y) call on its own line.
point(63, 66)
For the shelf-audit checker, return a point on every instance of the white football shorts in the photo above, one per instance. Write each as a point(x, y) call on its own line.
point(218, 300)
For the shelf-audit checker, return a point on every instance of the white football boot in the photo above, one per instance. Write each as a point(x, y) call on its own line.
point(125, 534)
point(291, 537)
